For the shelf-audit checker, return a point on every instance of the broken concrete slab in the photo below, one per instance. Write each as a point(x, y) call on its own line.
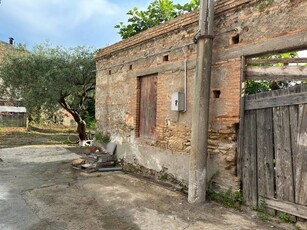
point(94, 161)
point(86, 166)
point(111, 147)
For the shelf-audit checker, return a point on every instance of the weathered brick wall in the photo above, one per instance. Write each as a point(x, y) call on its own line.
point(262, 26)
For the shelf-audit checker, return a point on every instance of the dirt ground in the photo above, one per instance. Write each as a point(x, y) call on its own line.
point(40, 190)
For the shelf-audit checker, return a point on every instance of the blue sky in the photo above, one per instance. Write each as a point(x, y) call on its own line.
point(65, 22)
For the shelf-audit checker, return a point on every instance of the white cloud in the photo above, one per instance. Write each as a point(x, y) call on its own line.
point(86, 9)
point(65, 22)
point(54, 17)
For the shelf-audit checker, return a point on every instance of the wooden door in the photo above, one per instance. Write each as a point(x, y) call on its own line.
point(148, 106)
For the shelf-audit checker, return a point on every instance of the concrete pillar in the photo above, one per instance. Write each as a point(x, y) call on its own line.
point(201, 103)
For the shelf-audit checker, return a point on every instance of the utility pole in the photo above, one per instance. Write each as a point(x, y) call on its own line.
point(200, 115)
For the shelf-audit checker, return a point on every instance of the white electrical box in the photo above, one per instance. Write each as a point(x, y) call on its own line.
point(178, 102)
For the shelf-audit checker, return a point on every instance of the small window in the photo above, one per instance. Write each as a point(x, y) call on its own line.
point(216, 93)
point(235, 39)
point(165, 58)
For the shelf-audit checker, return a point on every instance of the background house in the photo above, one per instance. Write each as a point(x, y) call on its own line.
point(11, 114)
point(4, 46)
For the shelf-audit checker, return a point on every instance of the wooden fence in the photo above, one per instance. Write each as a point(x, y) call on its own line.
point(274, 150)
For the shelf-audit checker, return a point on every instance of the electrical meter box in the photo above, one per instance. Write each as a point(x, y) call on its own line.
point(178, 102)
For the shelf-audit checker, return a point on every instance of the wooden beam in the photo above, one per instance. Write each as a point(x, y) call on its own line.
point(284, 43)
point(241, 123)
point(277, 60)
point(295, 99)
point(288, 207)
point(298, 73)
point(277, 78)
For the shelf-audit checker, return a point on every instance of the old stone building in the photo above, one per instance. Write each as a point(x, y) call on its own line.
point(11, 115)
point(3, 48)
point(149, 68)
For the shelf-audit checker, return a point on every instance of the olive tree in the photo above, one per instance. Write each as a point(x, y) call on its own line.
point(49, 78)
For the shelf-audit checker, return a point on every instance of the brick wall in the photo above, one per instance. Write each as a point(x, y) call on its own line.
point(262, 27)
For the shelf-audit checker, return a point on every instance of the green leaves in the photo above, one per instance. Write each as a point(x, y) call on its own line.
point(258, 86)
point(159, 11)
point(49, 75)
point(253, 87)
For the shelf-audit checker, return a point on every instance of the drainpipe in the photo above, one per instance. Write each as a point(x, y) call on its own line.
point(185, 63)
point(201, 102)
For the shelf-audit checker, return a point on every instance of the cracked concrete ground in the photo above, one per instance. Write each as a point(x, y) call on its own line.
point(40, 190)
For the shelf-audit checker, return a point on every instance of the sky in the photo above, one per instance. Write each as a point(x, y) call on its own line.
point(65, 22)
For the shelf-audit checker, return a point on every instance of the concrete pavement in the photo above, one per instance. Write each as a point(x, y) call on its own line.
point(40, 190)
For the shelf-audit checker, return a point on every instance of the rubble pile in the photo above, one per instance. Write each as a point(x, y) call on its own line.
point(97, 159)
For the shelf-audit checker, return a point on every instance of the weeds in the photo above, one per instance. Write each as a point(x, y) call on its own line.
point(120, 161)
point(261, 210)
point(284, 217)
point(230, 198)
point(101, 138)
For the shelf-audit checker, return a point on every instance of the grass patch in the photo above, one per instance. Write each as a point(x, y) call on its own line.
point(284, 217)
point(230, 198)
point(262, 210)
point(56, 129)
point(15, 137)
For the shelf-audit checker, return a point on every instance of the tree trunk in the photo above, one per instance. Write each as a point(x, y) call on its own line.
point(81, 129)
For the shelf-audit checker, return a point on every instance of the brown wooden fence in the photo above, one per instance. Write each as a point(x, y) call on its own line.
point(274, 150)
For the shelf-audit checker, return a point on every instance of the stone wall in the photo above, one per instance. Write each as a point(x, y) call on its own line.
point(3, 47)
point(258, 26)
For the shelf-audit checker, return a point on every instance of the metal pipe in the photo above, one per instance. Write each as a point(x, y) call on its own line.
point(110, 169)
point(185, 79)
